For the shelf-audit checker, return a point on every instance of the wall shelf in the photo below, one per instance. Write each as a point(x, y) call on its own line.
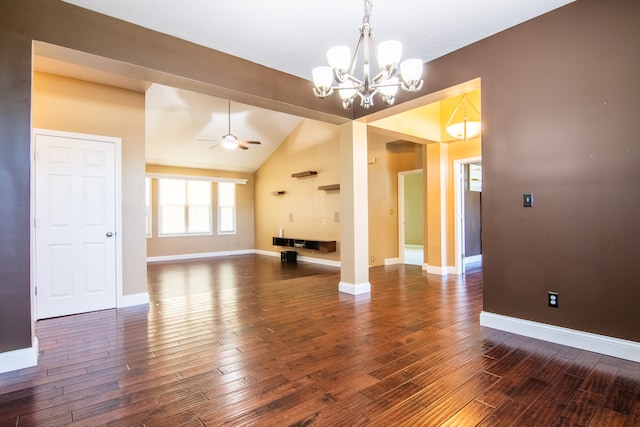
point(329, 187)
point(314, 245)
point(304, 174)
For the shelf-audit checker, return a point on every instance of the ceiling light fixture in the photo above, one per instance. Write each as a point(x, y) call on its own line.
point(463, 128)
point(342, 66)
point(229, 141)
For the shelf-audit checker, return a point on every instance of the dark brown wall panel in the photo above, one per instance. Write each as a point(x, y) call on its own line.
point(15, 90)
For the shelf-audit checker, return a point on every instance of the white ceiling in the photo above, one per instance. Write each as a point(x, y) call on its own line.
point(293, 37)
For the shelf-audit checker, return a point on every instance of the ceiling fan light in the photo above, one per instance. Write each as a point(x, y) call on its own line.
point(389, 53)
point(339, 57)
point(229, 142)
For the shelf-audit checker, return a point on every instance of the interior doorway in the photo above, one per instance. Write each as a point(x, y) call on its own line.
point(75, 217)
point(468, 213)
point(411, 217)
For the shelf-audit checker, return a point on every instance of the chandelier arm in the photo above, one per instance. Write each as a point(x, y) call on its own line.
point(473, 106)
point(354, 59)
point(411, 88)
point(454, 112)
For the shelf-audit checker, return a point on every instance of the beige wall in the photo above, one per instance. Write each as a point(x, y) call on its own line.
point(70, 105)
point(180, 245)
point(303, 211)
point(383, 193)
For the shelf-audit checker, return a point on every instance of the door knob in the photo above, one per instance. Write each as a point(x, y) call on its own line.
point(109, 234)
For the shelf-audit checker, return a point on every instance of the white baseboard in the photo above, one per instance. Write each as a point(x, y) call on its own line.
point(355, 288)
point(434, 270)
point(616, 347)
point(442, 271)
point(391, 261)
point(328, 262)
point(181, 257)
point(472, 259)
point(19, 359)
point(133, 299)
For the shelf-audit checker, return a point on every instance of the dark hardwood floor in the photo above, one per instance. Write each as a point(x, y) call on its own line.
point(246, 340)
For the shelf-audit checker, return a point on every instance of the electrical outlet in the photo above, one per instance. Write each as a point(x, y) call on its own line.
point(373, 259)
point(552, 299)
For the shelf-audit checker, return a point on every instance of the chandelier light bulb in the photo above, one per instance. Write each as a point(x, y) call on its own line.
point(464, 130)
point(339, 57)
point(389, 53)
point(322, 78)
point(411, 71)
point(389, 87)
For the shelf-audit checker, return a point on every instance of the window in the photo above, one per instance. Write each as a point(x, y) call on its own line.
point(147, 204)
point(226, 208)
point(184, 207)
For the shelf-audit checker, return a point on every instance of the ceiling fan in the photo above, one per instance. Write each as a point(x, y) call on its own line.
point(229, 140)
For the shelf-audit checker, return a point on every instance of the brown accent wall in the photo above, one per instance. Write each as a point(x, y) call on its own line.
point(15, 87)
point(560, 103)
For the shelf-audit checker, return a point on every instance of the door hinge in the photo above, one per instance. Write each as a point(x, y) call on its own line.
point(36, 291)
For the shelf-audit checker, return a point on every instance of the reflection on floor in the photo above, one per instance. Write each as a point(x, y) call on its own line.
point(413, 254)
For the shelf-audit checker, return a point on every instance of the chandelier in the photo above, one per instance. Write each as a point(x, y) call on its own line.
point(461, 126)
point(386, 83)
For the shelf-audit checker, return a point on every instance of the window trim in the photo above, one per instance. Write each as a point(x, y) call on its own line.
point(148, 192)
point(219, 209)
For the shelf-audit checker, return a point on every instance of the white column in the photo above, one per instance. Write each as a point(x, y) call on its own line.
point(354, 222)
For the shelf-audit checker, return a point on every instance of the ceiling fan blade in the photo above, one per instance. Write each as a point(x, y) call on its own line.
point(251, 142)
point(242, 147)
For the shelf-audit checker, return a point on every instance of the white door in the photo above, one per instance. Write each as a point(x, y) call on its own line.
point(75, 257)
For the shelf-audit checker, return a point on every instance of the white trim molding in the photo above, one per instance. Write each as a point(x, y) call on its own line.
point(241, 181)
point(616, 347)
point(472, 259)
point(442, 271)
point(133, 299)
point(181, 257)
point(391, 261)
point(19, 359)
point(328, 262)
point(355, 288)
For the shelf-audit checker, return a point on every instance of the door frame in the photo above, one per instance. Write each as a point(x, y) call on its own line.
point(401, 228)
point(458, 202)
point(118, 208)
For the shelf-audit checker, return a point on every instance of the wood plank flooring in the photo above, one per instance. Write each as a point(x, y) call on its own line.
point(247, 340)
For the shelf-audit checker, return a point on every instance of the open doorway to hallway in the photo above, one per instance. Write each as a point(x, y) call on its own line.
point(468, 213)
point(411, 217)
